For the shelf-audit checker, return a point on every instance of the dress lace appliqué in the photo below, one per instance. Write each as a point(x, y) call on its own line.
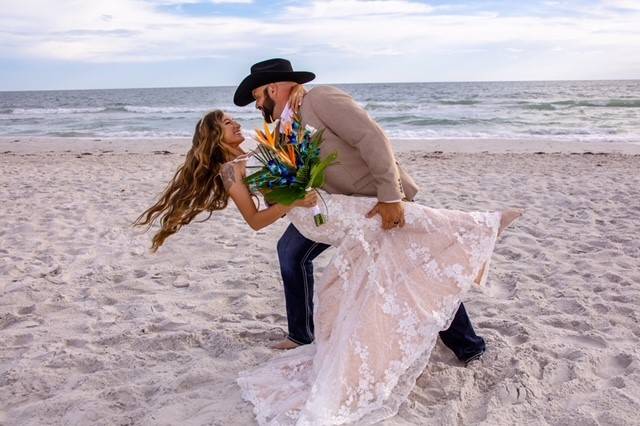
point(378, 309)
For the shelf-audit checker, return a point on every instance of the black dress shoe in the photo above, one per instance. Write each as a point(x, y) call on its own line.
point(475, 357)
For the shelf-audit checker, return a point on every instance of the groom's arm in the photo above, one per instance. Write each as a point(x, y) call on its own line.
point(351, 123)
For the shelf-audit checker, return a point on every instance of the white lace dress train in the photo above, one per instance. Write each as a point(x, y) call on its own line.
point(379, 306)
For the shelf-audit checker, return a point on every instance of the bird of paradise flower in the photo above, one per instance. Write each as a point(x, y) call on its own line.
point(291, 163)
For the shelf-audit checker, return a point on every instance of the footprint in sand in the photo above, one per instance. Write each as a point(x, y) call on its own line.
point(504, 287)
point(8, 320)
point(557, 372)
point(513, 393)
point(570, 306)
point(509, 253)
point(213, 266)
point(271, 318)
point(600, 308)
point(273, 334)
point(22, 339)
point(167, 341)
point(612, 366)
point(109, 301)
point(75, 343)
point(138, 273)
point(588, 341)
point(518, 339)
point(514, 333)
point(27, 310)
point(618, 382)
point(614, 278)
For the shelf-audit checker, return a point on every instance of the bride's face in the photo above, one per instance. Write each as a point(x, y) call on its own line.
point(232, 135)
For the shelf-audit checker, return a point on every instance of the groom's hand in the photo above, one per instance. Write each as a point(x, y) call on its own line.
point(392, 214)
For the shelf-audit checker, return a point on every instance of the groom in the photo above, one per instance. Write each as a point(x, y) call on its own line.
point(367, 166)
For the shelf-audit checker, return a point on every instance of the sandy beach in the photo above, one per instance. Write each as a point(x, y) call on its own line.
point(95, 329)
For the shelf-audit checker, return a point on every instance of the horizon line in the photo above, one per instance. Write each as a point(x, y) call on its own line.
point(323, 84)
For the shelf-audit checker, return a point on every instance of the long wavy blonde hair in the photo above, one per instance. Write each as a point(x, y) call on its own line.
point(197, 185)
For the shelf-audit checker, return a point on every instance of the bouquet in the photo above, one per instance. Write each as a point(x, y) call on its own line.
point(291, 163)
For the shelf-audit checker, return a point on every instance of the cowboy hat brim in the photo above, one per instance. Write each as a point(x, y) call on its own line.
point(243, 95)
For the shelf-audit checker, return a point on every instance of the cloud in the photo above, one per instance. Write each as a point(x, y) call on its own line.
point(142, 30)
point(623, 4)
point(232, 1)
point(350, 8)
point(117, 31)
point(172, 2)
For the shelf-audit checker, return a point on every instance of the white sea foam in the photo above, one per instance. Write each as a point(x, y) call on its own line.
point(43, 111)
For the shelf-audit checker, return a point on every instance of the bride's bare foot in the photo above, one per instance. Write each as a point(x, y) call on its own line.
point(507, 217)
point(285, 345)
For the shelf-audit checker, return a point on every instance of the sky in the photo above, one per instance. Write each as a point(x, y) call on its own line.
point(85, 44)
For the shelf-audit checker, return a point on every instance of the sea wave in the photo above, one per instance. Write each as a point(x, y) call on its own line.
point(603, 103)
point(571, 103)
point(387, 106)
point(512, 135)
point(544, 106)
point(422, 121)
point(459, 102)
point(624, 103)
point(565, 132)
point(136, 109)
point(164, 109)
point(41, 111)
point(435, 122)
point(200, 109)
point(71, 134)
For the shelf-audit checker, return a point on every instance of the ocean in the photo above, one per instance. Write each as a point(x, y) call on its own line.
point(559, 110)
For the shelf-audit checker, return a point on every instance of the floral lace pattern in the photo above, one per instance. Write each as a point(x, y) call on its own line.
point(378, 309)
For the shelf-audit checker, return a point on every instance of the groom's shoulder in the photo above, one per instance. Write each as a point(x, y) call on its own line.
point(323, 98)
point(317, 92)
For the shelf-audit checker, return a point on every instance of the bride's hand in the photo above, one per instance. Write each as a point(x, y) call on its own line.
point(309, 201)
point(295, 98)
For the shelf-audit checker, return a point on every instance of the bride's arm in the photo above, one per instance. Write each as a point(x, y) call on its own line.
point(239, 193)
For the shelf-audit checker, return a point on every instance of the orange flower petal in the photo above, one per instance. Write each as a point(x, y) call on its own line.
point(292, 154)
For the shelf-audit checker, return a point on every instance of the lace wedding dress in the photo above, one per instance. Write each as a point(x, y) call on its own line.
point(379, 306)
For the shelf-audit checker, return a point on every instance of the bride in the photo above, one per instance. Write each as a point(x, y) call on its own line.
point(379, 305)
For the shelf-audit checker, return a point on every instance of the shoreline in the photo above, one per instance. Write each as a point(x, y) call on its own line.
point(41, 144)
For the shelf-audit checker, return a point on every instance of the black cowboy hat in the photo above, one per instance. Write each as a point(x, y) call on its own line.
point(265, 72)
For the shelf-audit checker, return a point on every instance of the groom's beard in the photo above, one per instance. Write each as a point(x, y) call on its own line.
point(268, 106)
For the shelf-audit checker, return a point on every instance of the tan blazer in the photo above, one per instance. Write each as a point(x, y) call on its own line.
point(366, 164)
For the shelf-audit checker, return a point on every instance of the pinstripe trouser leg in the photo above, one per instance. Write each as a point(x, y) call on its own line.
point(296, 254)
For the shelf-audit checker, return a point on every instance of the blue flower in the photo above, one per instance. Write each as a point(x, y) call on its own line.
point(284, 171)
point(272, 165)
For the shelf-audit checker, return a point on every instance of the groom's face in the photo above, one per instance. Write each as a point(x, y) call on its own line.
point(265, 103)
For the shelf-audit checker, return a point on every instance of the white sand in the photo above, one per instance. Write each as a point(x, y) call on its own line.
point(180, 145)
point(96, 330)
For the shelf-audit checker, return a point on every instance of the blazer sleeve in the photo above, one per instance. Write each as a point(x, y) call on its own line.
point(351, 123)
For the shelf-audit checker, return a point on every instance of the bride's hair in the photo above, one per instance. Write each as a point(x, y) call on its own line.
point(197, 185)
